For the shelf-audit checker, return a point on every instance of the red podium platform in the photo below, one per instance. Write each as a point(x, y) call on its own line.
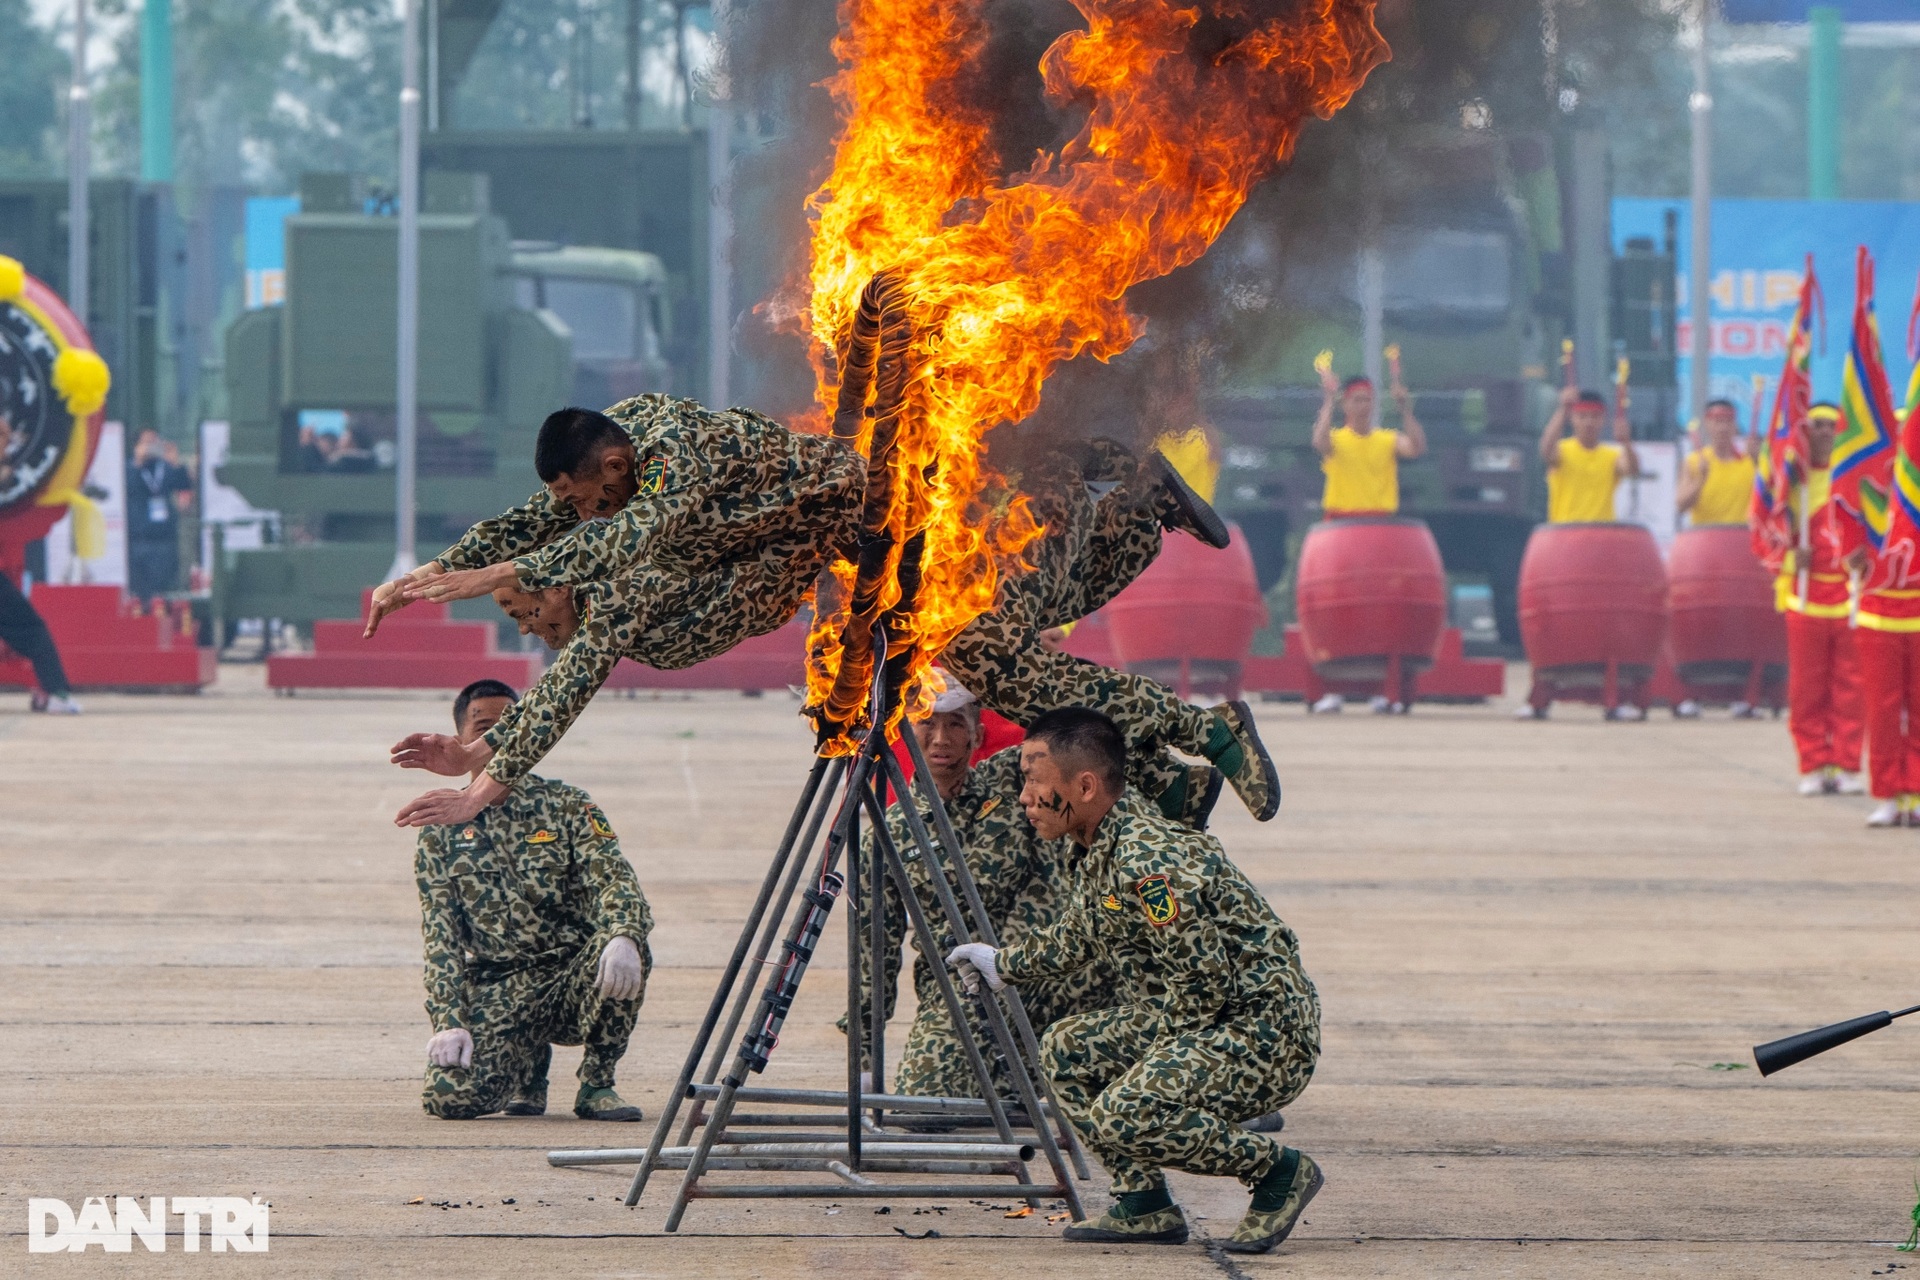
point(776, 660)
point(104, 644)
point(418, 648)
point(1453, 677)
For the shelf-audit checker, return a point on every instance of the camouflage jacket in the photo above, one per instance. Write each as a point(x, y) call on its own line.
point(1003, 852)
point(711, 482)
point(1164, 908)
point(531, 880)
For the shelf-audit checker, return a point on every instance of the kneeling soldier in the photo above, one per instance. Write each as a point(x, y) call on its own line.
point(1225, 1025)
point(536, 934)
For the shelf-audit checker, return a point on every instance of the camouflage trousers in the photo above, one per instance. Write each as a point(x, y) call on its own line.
point(1146, 1098)
point(933, 1063)
point(513, 1019)
point(1092, 549)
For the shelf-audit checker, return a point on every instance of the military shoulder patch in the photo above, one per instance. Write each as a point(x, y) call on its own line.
point(598, 821)
point(653, 474)
point(1110, 902)
point(1156, 895)
point(543, 836)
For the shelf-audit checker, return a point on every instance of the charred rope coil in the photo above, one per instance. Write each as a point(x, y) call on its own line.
point(873, 387)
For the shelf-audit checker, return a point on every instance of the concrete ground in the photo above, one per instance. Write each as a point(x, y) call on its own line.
point(1544, 951)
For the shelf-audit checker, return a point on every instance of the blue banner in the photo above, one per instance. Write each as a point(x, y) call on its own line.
point(1796, 10)
point(1759, 252)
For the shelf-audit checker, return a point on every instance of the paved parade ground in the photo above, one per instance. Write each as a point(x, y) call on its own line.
point(1540, 949)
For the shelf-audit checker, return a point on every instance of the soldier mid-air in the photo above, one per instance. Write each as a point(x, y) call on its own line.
point(536, 935)
point(1223, 1025)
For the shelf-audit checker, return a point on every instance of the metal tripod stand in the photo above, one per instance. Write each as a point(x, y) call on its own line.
point(854, 1133)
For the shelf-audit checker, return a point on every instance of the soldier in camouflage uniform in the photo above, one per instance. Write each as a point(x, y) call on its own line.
point(536, 934)
point(655, 483)
point(1223, 1025)
point(1101, 535)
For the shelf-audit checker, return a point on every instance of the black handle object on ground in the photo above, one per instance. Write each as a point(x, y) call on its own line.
point(1778, 1055)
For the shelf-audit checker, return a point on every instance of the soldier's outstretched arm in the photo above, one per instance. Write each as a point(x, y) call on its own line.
point(526, 528)
point(535, 724)
point(442, 934)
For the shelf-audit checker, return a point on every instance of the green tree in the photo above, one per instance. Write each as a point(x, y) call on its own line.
point(30, 93)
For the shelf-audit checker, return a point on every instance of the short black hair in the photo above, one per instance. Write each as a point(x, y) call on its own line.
point(570, 437)
point(479, 689)
point(1357, 380)
point(1592, 398)
point(1721, 403)
point(1087, 739)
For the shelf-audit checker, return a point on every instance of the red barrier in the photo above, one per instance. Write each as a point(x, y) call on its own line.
point(104, 644)
point(420, 647)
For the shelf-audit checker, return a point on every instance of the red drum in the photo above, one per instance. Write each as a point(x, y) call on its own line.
point(1189, 619)
point(1593, 606)
point(1722, 626)
point(1372, 600)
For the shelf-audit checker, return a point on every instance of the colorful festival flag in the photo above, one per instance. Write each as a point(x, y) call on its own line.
point(1783, 445)
point(1864, 449)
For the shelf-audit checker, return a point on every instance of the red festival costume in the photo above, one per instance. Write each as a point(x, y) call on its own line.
point(1824, 704)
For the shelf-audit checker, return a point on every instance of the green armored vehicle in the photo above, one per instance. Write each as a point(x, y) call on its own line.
point(508, 333)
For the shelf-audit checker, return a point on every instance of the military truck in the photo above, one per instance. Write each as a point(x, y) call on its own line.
point(1478, 294)
point(508, 333)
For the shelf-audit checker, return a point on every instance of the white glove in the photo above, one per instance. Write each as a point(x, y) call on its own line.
point(621, 977)
point(451, 1048)
point(974, 961)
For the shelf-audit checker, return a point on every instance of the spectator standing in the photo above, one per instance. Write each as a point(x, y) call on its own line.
point(158, 490)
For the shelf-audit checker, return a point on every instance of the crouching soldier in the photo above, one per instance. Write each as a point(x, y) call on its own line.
point(1223, 1027)
point(536, 935)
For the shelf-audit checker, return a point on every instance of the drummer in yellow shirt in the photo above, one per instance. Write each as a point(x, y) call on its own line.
point(1716, 485)
point(1362, 461)
point(1362, 464)
point(1582, 473)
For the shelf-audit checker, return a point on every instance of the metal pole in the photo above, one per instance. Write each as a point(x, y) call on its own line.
point(1700, 279)
point(407, 390)
point(719, 226)
point(433, 66)
point(633, 66)
point(1825, 25)
point(156, 91)
point(79, 168)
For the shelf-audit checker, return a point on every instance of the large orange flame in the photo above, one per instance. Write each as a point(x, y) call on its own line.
point(1187, 107)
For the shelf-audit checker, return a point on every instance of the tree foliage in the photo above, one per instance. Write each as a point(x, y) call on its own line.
point(30, 91)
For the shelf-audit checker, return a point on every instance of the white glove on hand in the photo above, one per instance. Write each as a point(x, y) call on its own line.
point(974, 961)
point(451, 1048)
point(621, 977)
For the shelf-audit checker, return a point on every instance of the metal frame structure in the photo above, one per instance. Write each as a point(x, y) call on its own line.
point(853, 1133)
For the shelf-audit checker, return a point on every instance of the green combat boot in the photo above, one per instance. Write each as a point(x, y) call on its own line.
point(1235, 746)
point(593, 1103)
point(1278, 1201)
point(1190, 800)
point(1179, 507)
point(1137, 1217)
point(530, 1099)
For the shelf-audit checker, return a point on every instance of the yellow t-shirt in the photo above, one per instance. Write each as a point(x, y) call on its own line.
point(1363, 471)
point(1728, 491)
point(1580, 488)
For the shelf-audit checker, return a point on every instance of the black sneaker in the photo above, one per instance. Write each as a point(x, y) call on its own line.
point(1182, 508)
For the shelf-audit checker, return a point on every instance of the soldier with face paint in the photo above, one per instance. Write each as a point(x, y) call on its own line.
point(1223, 1024)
